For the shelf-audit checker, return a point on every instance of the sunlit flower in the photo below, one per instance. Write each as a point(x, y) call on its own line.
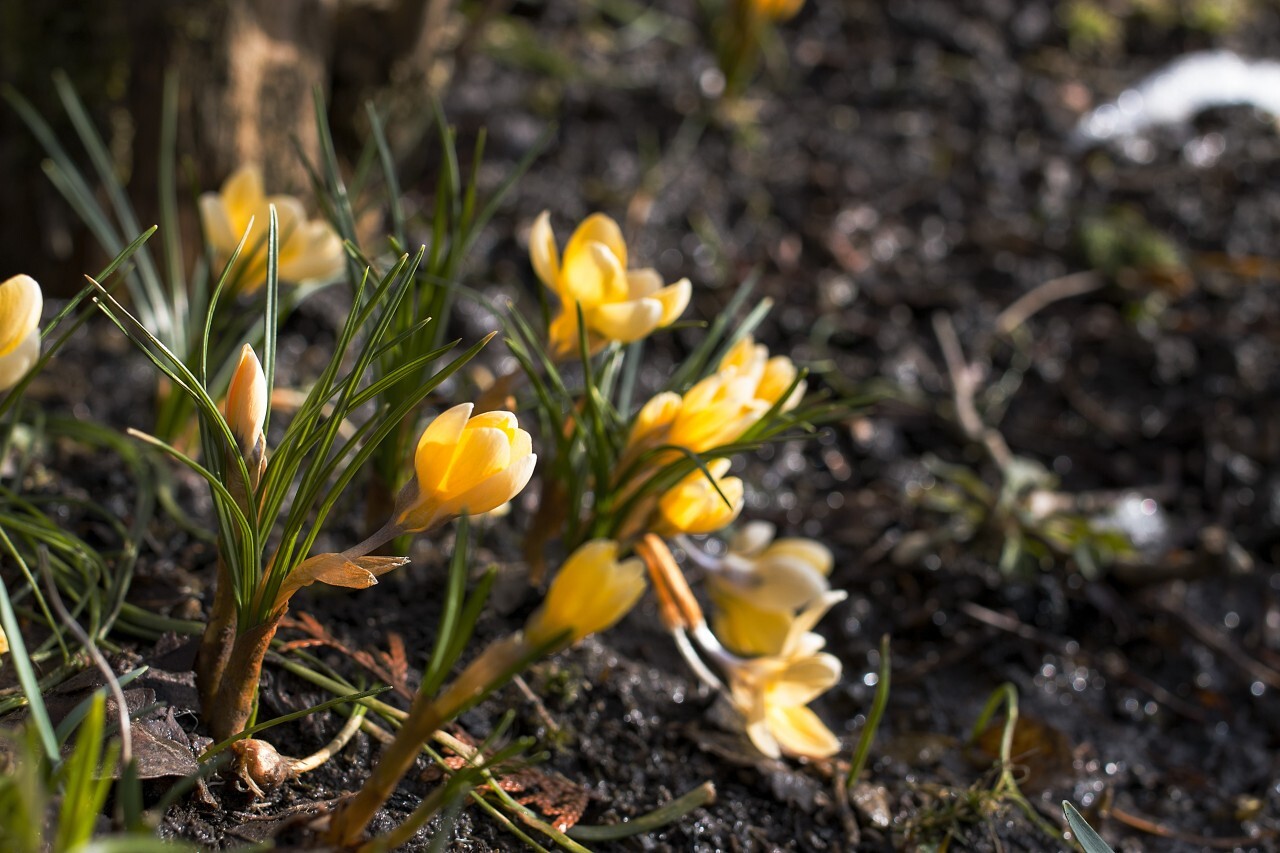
point(721, 407)
point(465, 464)
point(592, 591)
point(778, 10)
point(772, 692)
point(761, 583)
point(20, 304)
point(617, 304)
point(695, 506)
point(309, 249)
point(246, 407)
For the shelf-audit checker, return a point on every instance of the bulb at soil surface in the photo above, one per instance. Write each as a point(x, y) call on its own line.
point(592, 591)
point(617, 304)
point(465, 464)
point(20, 304)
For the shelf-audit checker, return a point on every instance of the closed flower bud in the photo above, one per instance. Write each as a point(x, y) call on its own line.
point(246, 407)
point(695, 506)
point(20, 304)
point(592, 591)
point(309, 249)
point(465, 464)
point(778, 10)
point(617, 304)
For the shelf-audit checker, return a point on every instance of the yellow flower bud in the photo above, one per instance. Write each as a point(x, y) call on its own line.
point(617, 304)
point(695, 506)
point(465, 464)
point(778, 10)
point(246, 406)
point(592, 591)
point(20, 304)
point(309, 249)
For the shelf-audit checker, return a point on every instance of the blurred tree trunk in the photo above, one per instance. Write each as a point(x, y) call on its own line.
point(247, 72)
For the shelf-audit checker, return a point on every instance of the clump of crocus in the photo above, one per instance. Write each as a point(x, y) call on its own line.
point(617, 304)
point(309, 249)
point(592, 591)
point(760, 585)
point(20, 304)
point(771, 692)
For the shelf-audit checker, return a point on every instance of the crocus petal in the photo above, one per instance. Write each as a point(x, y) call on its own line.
point(598, 228)
point(799, 731)
point(674, 299)
point(625, 321)
point(315, 253)
point(21, 302)
point(246, 407)
point(435, 448)
point(811, 615)
point(643, 282)
point(752, 538)
point(590, 593)
point(657, 414)
point(811, 552)
point(493, 491)
point(803, 680)
point(779, 583)
point(243, 195)
point(480, 453)
point(15, 364)
point(217, 224)
point(762, 737)
point(543, 252)
point(744, 629)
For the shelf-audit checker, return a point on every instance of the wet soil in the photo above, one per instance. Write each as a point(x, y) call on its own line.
point(902, 163)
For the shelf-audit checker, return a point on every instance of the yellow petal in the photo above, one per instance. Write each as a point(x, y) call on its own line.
point(803, 680)
point(315, 253)
point(598, 228)
point(808, 551)
point(752, 538)
point(655, 415)
point(435, 448)
point(778, 583)
point(810, 616)
point(625, 321)
point(14, 365)
point(744, 629)
point(480, 454)
point(20, 304)
point(243, 195)
point(674, 299)
point(800, 732)
point(643, 282)
point(740, 355)
point(543, 252)
point(217, 225)
point(592, 272)
point(492, 492)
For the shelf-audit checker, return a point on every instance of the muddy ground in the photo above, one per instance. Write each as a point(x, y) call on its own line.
point(902, 167)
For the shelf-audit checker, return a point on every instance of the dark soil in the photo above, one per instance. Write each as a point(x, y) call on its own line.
point(906, 161)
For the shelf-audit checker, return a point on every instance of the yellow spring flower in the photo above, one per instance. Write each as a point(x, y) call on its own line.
point(592, 591)
point(465, 464)
point(617, 304)
point(778, 10)
point(246, 407)
point(761, 583)
point(694, 506)
point(309, 249)
point(773, 692)
point(20, 304)
point(721, 407)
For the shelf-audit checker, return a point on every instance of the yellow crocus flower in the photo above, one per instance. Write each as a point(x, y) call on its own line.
point(694, 506)
point(721, 407)
point(591, 592)
point(761, 583)
point(617, 304)
point(20, 304)
point(465, 464)
point(772, 692)
point(309, 249)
